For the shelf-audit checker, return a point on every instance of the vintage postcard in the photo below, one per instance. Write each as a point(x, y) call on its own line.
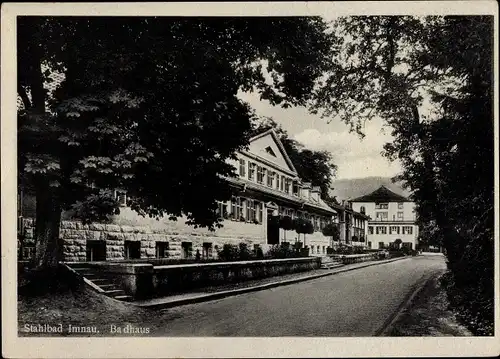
point(255, 179)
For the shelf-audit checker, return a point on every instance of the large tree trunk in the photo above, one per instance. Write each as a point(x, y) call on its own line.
point(48, 218)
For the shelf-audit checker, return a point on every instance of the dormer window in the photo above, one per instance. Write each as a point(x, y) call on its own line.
point(270, 151)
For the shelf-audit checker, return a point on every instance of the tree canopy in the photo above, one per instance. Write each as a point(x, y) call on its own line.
point(430, 79)
point(148, 105)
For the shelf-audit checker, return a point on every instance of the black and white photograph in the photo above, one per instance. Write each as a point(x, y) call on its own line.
point(259, 173)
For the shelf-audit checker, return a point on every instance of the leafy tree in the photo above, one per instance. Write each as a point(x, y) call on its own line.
point(286, 223)
point(303, 226)
point(396, 68)
point(316, 167)
point(149, 106)
point(397, 243)
point(332, 230)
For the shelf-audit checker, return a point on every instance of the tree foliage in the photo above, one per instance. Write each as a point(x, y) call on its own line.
point(430, 80)
point(332, 230)
point(149, 106)
point(316, 167)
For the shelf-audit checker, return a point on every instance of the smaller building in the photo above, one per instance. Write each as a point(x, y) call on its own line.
point(391, 217)
point(352, 224)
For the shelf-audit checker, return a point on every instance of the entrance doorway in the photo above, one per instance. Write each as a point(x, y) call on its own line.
point(96, 251)
point(273, 228)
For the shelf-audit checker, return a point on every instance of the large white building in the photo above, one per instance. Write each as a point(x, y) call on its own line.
point(392, 217)
point(267, 186)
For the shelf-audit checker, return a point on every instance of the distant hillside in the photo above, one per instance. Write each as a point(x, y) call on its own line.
point(352, 188)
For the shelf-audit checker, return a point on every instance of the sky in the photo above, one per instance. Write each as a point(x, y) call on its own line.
point(355, 157)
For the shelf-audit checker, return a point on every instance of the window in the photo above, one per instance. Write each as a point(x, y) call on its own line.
point(295, 188)
point(312, 249)
point(400, 215)
point(369, 245)
point(270, 151)
point(28, 252)
point(132, 249)
point(277, 180)
point(382, 216)
point(260, 174)
point(407, 230)
point(318, 250)
point(394, 230)
point(270, 179)
point(236, 208)
point(381, 230)
point(221, 209)
point(121, 197)
point(400, 205)
point(362, 209)
point(282, 184)
point(370, 229)
point(162, 249)
point(251, 171)
point(187, 249)
point(288, 183)
point(242, 168)
point(259, 211)
point(323, 249)
point(250, 215)
point(382, 206)
point(380, 245)
point(207, 250)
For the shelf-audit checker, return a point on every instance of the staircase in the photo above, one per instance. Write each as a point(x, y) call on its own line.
point(330, 263)
point(99, 281)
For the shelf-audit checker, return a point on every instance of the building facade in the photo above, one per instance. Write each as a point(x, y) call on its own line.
point(266, 187)
point(391, 217)
point(353, 225)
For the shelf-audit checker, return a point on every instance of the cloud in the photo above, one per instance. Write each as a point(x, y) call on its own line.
point(354, 157)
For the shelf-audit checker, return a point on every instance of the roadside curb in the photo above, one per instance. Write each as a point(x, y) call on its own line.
point(229, 293)
point(388, 326)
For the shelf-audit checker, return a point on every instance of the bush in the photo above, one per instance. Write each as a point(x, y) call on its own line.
point(229, 252)
point(244, 253)
point(329, 250)
point(258, 253)
point(281, 251)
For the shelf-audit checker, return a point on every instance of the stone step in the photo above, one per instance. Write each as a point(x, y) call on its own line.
point(125, 298)
point(107, 286)
point(114, 292)
point(100, 280)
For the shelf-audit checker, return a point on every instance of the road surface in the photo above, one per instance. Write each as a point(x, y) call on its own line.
point(355, 303)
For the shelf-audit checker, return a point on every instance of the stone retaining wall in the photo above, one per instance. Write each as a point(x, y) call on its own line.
point(75, 236)
point(178, 278)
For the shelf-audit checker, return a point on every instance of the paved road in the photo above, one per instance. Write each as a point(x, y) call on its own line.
point(355, 303)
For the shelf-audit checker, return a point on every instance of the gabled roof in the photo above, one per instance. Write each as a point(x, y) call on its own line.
point(278, 143)
point(380, 195)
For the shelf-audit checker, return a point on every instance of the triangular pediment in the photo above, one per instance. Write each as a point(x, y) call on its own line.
point(268, 147)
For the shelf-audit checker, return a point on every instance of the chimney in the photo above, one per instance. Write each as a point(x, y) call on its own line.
point(315, 193)
point(306, 190)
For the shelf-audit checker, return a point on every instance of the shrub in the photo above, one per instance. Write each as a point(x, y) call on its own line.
point(258, 253)
point(329, 250)
point(243, 252)
point(281, 251)
point(229, 252)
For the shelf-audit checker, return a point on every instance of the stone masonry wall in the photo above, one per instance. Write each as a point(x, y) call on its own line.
point(148, 232)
